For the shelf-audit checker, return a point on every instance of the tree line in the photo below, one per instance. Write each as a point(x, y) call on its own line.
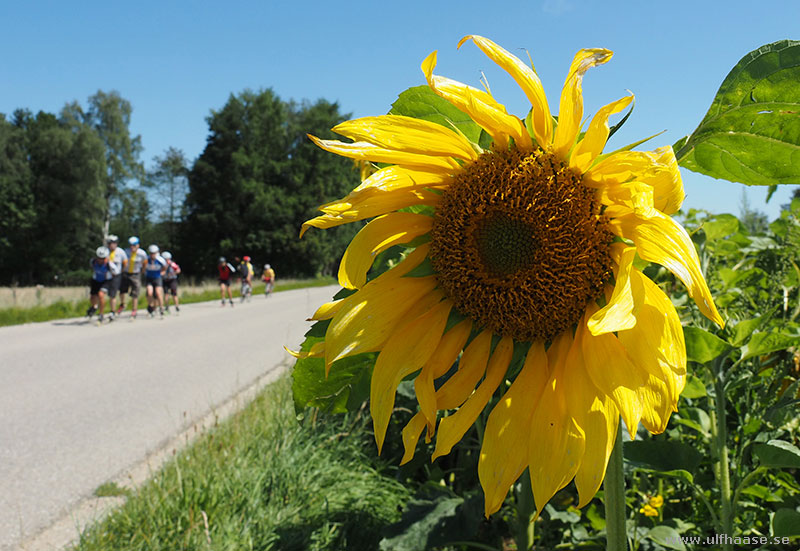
point(67, 180)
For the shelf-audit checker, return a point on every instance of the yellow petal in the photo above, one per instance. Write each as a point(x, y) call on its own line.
point(556, 443)
point(328, 310)
point(405, 352)
point(619, 313)
point(370, 152)
point(504, 451)
point(439, 363)
point(377, 236)
point(614, 374)
point(635, 196)
point(411, 433)
point(395, 177)
point(658, 169)
point(317, 350)
point(570, 111)
point(370, 205)
point(471, 368)
point(656, 343)
point(408, 134)
point(527, 79)
point(596, 136)
point(452, 428)
point(372, 314)
point(657, 406)
point(662, 240)
point(596, 415)
point(479, 105)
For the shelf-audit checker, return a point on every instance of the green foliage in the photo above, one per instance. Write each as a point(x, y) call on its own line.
point(259, 178)
point(261, 481)
point(422, 103)
point(751, 133)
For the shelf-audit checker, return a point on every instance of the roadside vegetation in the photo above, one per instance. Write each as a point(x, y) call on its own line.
point(262, 480)
point(63, 309)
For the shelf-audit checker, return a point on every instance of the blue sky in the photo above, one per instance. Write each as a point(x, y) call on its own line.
point(176, 61)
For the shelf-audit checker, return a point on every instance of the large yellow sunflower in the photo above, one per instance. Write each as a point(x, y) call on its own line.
point(532, 244)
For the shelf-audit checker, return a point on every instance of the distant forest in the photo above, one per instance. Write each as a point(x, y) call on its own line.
point(69, 179)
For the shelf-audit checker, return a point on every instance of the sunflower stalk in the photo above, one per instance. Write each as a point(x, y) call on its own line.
point(614, 490)
point(719, 428)
point(526, 509)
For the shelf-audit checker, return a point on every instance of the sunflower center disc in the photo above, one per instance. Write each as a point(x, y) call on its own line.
point(520, 245)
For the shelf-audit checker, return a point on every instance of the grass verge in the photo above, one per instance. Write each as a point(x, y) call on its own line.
point(64, 309)
point(261, 480)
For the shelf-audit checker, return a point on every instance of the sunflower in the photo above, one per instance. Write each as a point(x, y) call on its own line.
point(526, 250)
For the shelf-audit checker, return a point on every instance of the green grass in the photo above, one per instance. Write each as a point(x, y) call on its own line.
point(63, 309)
point(263, 481)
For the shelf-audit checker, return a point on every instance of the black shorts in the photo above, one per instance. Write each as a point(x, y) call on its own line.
point(171, 286)
point(114, 285)
point(97, 287)
point(225, 282)
point(154, 281)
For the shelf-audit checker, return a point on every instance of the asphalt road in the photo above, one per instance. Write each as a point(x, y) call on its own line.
point(79, 404)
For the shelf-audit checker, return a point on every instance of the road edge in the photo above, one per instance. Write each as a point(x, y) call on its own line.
point(90, 509)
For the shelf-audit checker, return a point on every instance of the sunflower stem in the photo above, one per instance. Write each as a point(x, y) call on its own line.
point(720, 443)
point(525, 510)
point(614, 490)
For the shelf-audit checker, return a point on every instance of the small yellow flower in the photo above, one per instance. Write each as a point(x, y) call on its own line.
point(648, 511)
point(530, 248)
point(656, 502)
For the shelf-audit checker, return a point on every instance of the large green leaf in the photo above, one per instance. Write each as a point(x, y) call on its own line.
point(751, 133)
point(432, 521)
point(666, 536)
point(778, 454)
point(764, 343)
point(421, 103)
point(702, 346)
point(786, 522)
point(721, 225)
point(344, 389)
point(662, 455)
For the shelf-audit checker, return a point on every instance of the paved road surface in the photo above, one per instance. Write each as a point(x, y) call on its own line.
point(80, 404)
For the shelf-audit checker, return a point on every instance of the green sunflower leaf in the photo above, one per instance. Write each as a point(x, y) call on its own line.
point(786, 522)
point(751, 133)
point(662, 455)
point(721, 225)
point(666, 536)
point(767, 342)
point(344, 389)
point(778, 454)
point(421, 102)
point(702, 346)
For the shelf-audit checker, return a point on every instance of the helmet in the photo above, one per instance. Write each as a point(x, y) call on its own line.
point(133, 240)
point(112, 239)
point(267, 266)
point(246, 259)
point(221, 259)
point(102, 252)
point(167, 255)
point(152, 249)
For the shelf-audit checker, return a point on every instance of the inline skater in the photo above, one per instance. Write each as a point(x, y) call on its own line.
point(246, 271)
point(225, 273)
point(269, 279)
point(98, 285)
point(117, 262)
point(154, 271)
point(132, 276)
point(171, 281)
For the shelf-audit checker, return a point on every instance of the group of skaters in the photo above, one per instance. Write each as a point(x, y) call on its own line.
point(244, 268)
point(117, 271)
